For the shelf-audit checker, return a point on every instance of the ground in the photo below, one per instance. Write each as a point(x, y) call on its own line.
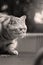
point(21, 59)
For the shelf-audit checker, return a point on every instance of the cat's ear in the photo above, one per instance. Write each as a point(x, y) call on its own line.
point(23, 17)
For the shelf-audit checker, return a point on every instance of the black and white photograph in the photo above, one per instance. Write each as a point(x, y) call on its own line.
point(21, 32)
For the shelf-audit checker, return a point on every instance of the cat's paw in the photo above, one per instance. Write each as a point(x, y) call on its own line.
point(15, 52)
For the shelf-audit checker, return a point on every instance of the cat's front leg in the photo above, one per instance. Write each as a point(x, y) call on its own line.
point(12, 47)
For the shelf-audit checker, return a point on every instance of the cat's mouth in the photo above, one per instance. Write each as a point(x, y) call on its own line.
point(20, 35)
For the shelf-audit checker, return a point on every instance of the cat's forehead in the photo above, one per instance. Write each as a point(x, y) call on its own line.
point(20, 19)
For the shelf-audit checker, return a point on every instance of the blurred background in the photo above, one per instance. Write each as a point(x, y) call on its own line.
point(24, 7)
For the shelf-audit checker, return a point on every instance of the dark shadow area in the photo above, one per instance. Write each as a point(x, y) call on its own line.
point(39, 60)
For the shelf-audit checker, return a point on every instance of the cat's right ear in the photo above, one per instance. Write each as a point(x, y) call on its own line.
point(23, 17)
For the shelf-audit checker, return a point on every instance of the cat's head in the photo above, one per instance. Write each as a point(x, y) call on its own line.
point(16, 25)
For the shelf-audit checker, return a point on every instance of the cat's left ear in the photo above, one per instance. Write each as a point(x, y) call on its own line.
point(23, 17)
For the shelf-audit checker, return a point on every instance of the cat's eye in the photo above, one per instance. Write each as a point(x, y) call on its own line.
point(20, 29)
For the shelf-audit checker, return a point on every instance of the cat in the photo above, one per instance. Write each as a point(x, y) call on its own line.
point(11, 29)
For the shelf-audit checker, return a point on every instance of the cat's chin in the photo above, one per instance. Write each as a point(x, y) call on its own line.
point(20, 35)
point(23, 35)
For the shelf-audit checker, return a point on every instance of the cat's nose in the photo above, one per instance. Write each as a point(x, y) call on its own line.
point(23, 30)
